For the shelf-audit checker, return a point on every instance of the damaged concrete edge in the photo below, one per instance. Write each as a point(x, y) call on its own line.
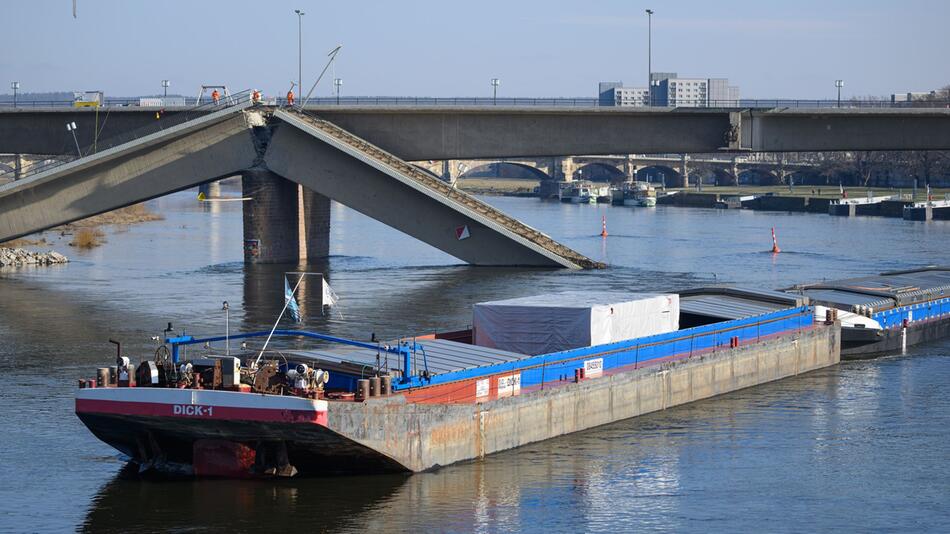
point(396, 174)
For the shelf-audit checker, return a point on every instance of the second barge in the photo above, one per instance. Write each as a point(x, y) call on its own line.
point(887, 312)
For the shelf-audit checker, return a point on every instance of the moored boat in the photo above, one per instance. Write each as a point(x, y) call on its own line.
point(639, 194)
point(886, 312)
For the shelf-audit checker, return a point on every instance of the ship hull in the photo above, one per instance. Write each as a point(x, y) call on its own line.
point(197, 433)
point(857, 343)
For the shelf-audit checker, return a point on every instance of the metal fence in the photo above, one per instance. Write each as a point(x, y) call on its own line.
point(579, 102)
point(163, 120)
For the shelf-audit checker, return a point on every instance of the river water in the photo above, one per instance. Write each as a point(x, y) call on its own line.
point(857, 447)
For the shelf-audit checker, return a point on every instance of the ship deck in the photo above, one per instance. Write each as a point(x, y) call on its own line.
point(437, 356)
point(882, 291)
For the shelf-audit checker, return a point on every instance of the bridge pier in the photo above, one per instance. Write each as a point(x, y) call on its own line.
point(565, 170)
point(684, 165)
point(450, 172)
point(271, 218)
point(629, 170)
point(314, 227)
point(283, 222)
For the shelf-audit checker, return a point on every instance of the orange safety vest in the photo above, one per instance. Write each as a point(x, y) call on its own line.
point(215, 95)
point(290, 97)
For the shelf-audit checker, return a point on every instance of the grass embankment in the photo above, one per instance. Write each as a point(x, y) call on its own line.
point(497, 186)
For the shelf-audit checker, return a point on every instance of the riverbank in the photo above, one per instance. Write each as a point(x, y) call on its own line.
point(509, 187)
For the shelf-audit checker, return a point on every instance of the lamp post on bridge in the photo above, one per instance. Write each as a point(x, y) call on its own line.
point(650, 56)
point(839, 84)
point(300, 15)
point(71, 127)
point(15, 86)
point(337, 83)
point(495, 82)
point(165, 85)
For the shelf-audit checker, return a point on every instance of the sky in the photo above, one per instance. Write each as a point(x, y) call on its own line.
point(544, 48)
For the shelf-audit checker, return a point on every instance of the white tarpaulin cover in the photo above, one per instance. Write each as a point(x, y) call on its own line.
point(560, 321)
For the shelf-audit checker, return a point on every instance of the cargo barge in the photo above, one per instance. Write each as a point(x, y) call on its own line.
point(529, 369)
point(887, 312)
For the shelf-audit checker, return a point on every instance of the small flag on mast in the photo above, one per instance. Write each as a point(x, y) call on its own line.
point(291, 301)
point(329, 296)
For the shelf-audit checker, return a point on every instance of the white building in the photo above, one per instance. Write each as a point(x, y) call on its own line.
point(672, 91)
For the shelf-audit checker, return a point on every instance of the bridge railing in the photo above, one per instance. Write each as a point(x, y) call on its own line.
point(569, 102)
point(163, 120)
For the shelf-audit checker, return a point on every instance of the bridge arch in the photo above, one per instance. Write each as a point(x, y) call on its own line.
point(597, 171)
point(668, 176)
point(506, 169)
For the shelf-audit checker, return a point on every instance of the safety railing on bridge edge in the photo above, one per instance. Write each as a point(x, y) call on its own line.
point(590, 102)
point(163, 120)
point(579, 102)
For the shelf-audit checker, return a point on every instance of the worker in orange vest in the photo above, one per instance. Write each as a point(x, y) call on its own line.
point(215, 96)
point(290, 98)
point(256, 96)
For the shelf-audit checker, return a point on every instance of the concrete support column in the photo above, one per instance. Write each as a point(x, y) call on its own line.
point(314, 225)
point(271, 218)
point(735, 170)
point(684, 170)
point(210, 189)
point(565, 172)
point(450, 172)
point(17, 166)
point(629, 170)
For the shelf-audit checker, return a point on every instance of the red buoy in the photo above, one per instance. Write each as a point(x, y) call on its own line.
point(603, 226)
point(775, 249)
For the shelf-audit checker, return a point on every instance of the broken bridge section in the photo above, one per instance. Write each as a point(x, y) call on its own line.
point(325, 158)
point(213, 146)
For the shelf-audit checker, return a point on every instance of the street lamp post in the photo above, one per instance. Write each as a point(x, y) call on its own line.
point(165, 85)
point(15, 86)
point(300, 15)
point(650, 56)
point(71, 127)
point(337, 83)
point(839, 84)
point(495, 82)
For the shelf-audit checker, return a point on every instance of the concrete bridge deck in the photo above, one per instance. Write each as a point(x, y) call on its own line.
point(416, 133)
point(485, 224)
point(291, 144)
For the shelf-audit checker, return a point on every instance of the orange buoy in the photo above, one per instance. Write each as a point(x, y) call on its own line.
point(775, 249)
point(603, 226)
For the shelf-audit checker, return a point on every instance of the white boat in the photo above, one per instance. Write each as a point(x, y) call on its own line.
point(639, 194)
point(580, 193)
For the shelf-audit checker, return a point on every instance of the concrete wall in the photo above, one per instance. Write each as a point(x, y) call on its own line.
point(423, 436)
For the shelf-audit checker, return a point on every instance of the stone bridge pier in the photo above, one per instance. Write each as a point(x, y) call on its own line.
point(283, 222)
